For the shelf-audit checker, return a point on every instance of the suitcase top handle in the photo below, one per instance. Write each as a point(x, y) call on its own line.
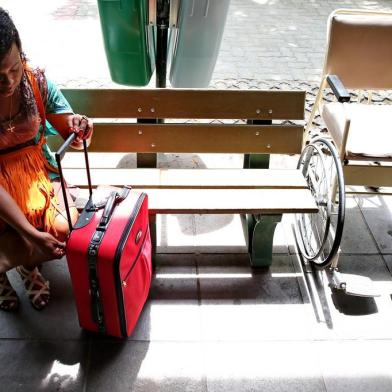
point(111, 202)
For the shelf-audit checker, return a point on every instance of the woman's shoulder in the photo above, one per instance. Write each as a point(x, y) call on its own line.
point(39, 75)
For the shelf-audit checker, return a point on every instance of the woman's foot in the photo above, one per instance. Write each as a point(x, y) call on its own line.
point(9, 300)
point(37, 287)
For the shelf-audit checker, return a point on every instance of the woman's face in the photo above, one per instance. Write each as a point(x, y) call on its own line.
point(11, 71)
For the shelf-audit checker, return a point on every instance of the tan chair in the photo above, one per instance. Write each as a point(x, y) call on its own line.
point(359, 57)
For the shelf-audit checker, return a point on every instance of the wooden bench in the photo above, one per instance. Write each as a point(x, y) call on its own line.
point(130, 120)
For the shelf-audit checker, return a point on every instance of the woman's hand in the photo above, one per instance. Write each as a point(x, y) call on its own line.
point(67, 123)
point(45, 246)
point(40, 243)
point(81, 126)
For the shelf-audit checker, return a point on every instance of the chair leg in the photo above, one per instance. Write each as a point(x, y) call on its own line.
point(335, 261)
point(259, 235)
point(315, 109)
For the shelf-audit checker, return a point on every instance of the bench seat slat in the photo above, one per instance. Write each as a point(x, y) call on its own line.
point(220, 201)
point(190, 178)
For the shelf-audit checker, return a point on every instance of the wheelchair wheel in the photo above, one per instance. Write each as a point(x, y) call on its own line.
point(319, 234)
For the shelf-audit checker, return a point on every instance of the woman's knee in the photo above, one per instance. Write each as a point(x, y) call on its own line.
point(61, 224)
point(14, 250)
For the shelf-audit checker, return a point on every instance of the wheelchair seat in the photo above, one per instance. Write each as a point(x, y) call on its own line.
point(370, 136)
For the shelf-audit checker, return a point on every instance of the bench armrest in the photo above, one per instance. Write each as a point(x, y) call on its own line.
point(338, 88)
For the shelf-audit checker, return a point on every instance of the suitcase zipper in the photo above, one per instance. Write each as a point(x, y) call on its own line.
point(116, 264)
point(92, 257)
point(133, 265)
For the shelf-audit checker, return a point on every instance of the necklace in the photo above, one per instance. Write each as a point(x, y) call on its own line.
point(10, 127)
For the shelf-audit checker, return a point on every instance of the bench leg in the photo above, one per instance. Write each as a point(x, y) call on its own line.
point(256, 161)
point(146, 159)
point(259, 234)
point(259, 229)
point(152, 218)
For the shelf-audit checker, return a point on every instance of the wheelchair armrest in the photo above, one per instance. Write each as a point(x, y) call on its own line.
point(338, 88)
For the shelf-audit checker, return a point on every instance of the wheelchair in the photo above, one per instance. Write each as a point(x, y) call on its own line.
point(357, 148)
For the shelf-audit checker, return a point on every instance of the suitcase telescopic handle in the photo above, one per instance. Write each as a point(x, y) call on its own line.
point(59, 155)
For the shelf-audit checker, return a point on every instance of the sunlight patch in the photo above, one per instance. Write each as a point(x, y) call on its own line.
point(61, 374)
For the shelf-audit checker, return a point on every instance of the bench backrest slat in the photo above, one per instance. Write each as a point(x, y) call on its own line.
point(187, 103)
point(208, 138)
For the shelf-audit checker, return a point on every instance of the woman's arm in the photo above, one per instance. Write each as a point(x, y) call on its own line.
point(10, 213)
point(66, 123)
point(60, 115)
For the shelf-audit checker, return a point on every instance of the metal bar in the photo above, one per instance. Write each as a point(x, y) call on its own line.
point(59, 156)
point(173, 16)
point(90, 188)
point(163, 8)
point(152, 12)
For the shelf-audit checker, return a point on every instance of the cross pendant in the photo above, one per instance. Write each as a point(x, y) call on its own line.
point(10, 128)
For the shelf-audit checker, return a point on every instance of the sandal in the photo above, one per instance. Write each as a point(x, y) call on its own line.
point(9, 300)
point(37, 287)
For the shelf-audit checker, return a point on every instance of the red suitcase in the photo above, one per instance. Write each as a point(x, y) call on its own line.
point(109, 259)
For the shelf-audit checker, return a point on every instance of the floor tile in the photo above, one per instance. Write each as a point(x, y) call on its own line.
point(238, 303)
point(38, 365)
point(377, 211)
point(146, 367)
point(61, 311)
point(261, 366)
point(356, 236)
point(362, 366)
point(342, 316)
point(388, 261)
point(172, 311)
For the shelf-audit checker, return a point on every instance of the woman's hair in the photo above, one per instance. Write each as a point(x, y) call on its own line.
point(8, 35)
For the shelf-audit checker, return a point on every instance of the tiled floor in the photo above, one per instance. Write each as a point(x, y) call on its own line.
point(213, 324)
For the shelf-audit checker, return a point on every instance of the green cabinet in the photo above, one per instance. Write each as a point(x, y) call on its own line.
point(195, 44)
point(129, 40)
